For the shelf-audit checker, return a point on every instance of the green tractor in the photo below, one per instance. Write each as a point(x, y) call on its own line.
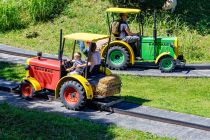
point(163, 51)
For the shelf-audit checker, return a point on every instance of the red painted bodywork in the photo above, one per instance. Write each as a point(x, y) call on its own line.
point(45, 71)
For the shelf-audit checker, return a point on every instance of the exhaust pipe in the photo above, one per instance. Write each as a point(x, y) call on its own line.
point(59, 50)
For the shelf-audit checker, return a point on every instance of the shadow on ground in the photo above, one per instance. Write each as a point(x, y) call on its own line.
point(76, 128)
point(41, 103)
point(131, 102)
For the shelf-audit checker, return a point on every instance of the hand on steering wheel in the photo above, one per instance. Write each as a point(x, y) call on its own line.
point(68, 64)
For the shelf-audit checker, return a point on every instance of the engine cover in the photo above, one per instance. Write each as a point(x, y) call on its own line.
point(45, 71)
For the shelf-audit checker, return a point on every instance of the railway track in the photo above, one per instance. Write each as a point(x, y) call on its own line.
point(112, 104)
point(135, 67)
point(139, 69)
point(112, 108)
point(157, 118)
point(25, 54)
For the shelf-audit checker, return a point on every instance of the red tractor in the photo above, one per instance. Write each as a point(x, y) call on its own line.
point(74, 90)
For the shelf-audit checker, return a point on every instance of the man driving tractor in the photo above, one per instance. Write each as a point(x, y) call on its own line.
point(126, 35)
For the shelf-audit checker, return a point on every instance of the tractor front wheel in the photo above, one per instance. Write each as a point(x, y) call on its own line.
point(72, 95)
point(167, 64)
point(27, 90)
point(118, 58)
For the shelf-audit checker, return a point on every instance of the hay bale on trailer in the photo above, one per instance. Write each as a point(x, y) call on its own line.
point(108, 86)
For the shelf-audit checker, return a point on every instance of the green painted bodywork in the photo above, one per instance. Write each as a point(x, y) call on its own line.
point(164, 44)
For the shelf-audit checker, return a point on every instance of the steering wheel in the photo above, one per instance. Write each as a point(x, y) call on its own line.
point(67, 64)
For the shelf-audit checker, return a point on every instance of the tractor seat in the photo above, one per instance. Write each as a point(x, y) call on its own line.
point(95, 75)
point(94, 79)
point(95, 71)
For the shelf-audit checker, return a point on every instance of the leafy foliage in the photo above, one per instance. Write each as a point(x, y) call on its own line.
point(9, 15)
point(17, 14)
point(42, 10)
point(143, 4)
point(90, 16)
point(194, 13)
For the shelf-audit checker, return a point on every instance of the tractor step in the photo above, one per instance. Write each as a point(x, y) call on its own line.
point(102, 103)
point(180, 63)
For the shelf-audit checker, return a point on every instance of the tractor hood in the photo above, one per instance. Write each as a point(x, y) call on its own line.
point(163, 41)
point(45, 63)
point(159, 39)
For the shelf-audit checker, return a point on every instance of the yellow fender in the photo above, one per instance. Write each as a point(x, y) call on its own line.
point(78, 78)
point(122, 43)
point(34, 82)
point(160, 56)
point(27, 63)
point(176, 48)
point(107, 72)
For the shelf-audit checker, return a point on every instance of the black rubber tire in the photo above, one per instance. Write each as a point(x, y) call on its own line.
point(27, 87)
point(164, 70)
point(79, 91)
point(125, 63)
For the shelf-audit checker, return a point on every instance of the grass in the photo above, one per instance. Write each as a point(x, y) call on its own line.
point(187, 95)
point(42, 10)
point(11, 72)
point(17, 123)
point(80, 16)
point(19, 14)
point(9, 15)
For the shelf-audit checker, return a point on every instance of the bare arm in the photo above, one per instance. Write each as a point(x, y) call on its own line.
point(83, 65)
point(127, 30)
point(72, 68)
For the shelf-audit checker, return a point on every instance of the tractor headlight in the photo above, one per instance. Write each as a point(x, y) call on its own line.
point(172, 45)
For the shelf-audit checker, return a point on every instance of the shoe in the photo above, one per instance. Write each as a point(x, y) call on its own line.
point(138, 58)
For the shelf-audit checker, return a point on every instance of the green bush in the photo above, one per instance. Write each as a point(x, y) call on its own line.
point(42, 10)
point(9, 15)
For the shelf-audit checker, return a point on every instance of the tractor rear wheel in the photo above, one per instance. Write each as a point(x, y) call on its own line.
point(167, 64)
point(72, 95)
point(118, 58)
point(27, 90)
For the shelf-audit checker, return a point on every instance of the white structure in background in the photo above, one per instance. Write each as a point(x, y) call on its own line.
point(170, 4)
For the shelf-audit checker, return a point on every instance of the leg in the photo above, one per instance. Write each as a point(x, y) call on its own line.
point(134, 39)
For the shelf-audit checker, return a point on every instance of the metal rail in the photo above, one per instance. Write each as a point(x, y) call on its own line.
point(23, 54)
point(17, 53)
point(159, 119)
point(106, 107)
point(142, 64)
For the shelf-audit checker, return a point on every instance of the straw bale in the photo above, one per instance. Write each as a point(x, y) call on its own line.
point(108, 86)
